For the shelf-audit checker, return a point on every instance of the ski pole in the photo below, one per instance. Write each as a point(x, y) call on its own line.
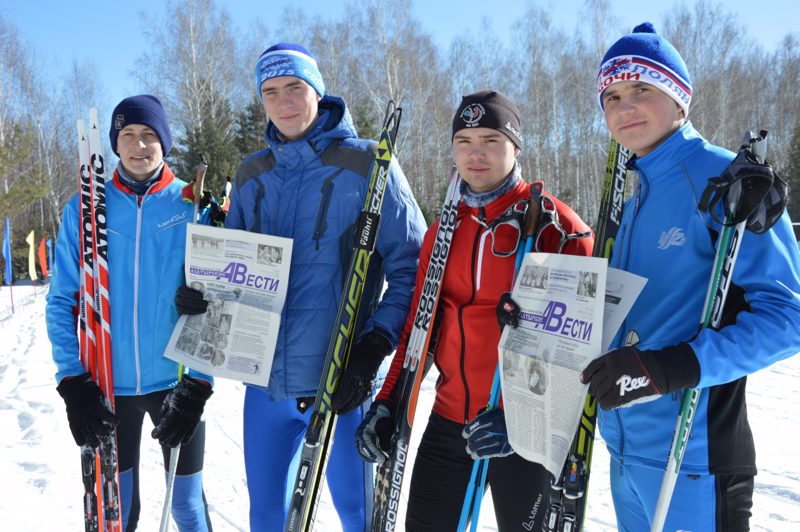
point(175, 452)
point(480, 468)
point(730, 240)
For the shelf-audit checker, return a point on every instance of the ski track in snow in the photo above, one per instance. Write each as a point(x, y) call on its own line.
point(41, 487)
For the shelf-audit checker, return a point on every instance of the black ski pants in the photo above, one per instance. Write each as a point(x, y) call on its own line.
point(441, 473)
point(130, 411)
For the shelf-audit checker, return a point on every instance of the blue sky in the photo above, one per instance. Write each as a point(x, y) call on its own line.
point(109, 33)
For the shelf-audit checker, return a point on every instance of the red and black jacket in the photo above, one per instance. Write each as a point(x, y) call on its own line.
point(475, 278)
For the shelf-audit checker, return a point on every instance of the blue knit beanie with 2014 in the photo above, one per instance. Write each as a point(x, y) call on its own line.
point(143, 109)
point(645, 56)
point(287, 59)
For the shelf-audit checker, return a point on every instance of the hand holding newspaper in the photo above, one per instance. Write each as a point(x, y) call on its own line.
point(244, 277)
point(571, 307)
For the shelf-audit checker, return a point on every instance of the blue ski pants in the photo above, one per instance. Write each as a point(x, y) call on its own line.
point(273, 434)
point(700, 503)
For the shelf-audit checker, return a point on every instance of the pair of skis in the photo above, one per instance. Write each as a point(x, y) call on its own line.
point(319, 435)
point(567, 506)
point(99, 467)
point(389, 475)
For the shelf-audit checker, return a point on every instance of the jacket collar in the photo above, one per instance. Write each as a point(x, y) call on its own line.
point(499, 206)
point(676, 148)
point(334, 122)
point(167, 177)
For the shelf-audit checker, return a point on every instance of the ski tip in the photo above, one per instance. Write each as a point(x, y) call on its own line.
point(93, 120)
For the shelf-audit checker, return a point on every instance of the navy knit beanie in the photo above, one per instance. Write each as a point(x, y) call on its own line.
point(143, 109)
point(287, 59)
point(645, 56)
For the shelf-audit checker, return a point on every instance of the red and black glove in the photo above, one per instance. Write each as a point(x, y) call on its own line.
point(627, 376)
point(507, 311)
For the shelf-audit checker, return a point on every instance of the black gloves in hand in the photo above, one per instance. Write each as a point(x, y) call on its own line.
point(374, 434)
point(487, 436)
point(189, 301)
point(355, 383)
point(89, 418)
point(627, 376)
point(507, 311)
point(181, 412)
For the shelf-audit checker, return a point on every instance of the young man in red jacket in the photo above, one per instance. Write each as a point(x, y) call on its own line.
point(486, 143)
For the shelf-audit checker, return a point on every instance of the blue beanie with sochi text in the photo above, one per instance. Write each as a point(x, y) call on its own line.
point(143, 109)
point(287, 59)
point(644, 56)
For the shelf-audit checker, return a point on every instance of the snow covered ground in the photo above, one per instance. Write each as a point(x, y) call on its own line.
point(40, 487)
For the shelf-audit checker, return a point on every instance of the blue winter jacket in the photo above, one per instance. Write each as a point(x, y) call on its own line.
point(665, 238)
point(312, 190)
point(146, 243)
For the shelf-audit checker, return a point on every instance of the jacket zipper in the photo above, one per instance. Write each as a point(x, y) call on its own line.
point(462, 361)
point(321, 223)
point(139, 201)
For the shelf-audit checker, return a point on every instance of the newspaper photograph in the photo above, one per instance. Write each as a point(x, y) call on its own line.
point(561, 329)
point(244, 277)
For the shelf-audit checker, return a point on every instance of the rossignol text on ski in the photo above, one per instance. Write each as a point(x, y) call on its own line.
point(389, 475)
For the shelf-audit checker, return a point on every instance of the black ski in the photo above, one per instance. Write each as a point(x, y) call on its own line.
point(568, 494)
point(319, 435)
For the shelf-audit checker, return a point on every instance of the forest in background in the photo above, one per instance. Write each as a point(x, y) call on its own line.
point(201, 67)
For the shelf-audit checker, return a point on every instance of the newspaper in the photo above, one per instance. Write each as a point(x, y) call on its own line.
point(563, 301)
point(244, 277)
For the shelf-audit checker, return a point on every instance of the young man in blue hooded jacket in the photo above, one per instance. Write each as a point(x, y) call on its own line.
point(309, 184)
point(645, 92)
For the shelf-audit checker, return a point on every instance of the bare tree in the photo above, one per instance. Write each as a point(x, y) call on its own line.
point(194, 68)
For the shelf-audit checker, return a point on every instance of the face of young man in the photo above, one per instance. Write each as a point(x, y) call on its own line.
point(139, 151)
point(291, 104)
point(640, 116)
point(484, 157)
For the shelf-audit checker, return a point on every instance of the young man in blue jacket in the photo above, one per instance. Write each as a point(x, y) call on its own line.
point(645, 92)
point(146, 221)
point(309, 184)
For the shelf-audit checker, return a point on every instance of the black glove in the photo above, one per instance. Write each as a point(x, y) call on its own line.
point(507, 311)
point(374, 434)
point(627, 376)
point(181, 412)
point(189, 301)
point(487, 436)
point(89, 417)
point(355, 383)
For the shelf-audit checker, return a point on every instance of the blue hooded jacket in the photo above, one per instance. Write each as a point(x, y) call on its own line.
point(312, 190)
point(666, 239)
